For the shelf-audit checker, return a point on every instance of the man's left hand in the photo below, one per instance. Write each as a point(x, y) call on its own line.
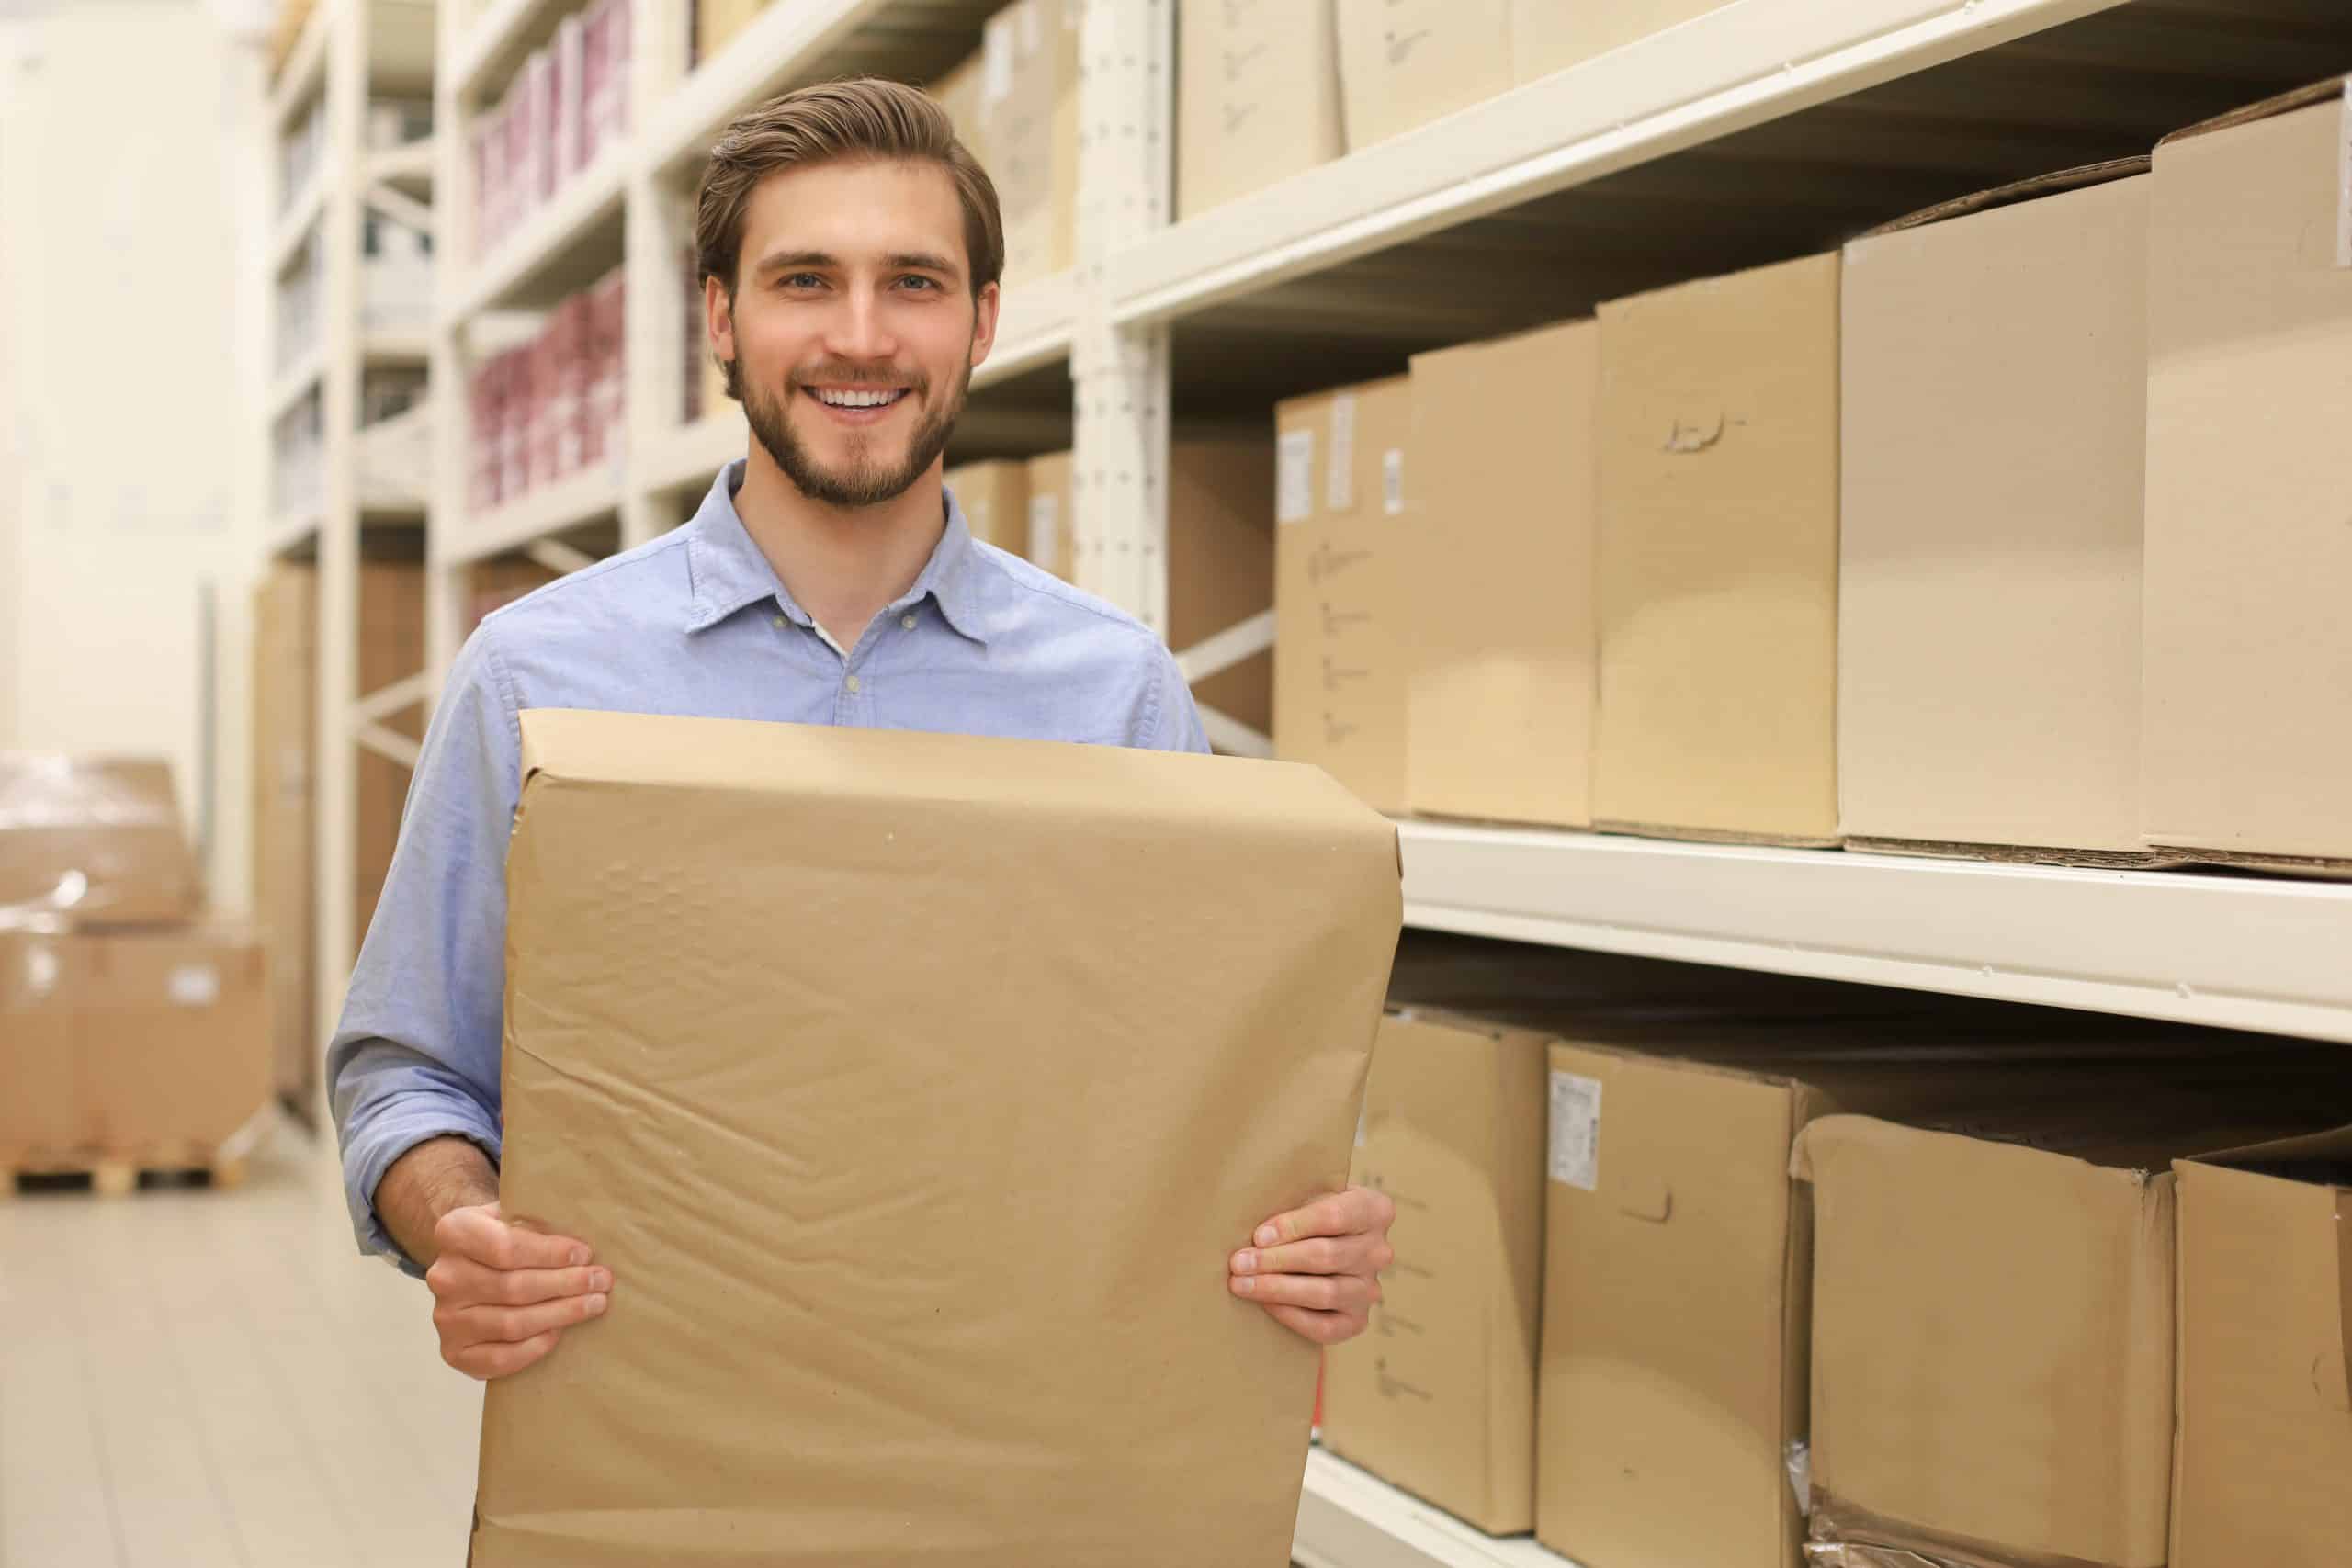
point(1317, 1269)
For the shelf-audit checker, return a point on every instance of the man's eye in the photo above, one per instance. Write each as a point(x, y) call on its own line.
point(916, 281)
point(800, 280)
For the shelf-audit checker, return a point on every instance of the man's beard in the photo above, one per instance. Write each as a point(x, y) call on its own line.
point(867, 483)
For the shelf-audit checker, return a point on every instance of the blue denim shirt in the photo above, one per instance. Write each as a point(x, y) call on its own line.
point(694, 624)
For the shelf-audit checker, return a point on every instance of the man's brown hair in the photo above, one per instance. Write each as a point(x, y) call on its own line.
point(859, 117)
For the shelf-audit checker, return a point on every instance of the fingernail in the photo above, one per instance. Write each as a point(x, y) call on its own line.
point(1243, 1284)
point(601, 1279)
point(1265, 1235)
point(596, 1306)
point(579, 1257)
point(1245, 1262)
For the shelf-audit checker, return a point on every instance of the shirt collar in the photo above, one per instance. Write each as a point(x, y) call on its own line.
point(731, 574)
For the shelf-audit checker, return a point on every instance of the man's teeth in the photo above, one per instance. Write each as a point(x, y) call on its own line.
point(859, 400)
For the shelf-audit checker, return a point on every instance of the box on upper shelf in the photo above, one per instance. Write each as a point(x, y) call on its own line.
point(1718, 558)
point(2248, 720)
point(1994, 418)
point(1406, 62)
point(1549, 35)
point(1343, 647)
point(93, 841)
point(1258, 96)
point(1029, 124)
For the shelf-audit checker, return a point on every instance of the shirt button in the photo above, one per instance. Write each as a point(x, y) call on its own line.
point(779, 623)
point(908, 622)
point(851, 683)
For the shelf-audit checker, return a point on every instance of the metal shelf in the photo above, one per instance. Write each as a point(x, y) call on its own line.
point(396, 348)
point(494, 40)
point(1350, 1518)
point(302, 218)
point(584, 497)
point(305, 69)
point(692, 455)
point(1736, 67)
point(293, 386)
point(1033, 329)
point(539, 262)
point(2226, 950)
point(407, 168)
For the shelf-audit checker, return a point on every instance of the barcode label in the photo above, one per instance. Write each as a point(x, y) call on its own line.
point(194, 986)
point(1339, 491)
point(1576, 1131)
point(1295, 476)
point(1392, 481)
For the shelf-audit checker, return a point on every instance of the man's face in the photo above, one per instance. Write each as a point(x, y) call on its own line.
point(854, 328)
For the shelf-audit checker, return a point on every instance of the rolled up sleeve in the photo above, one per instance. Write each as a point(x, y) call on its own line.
point(415, 1055)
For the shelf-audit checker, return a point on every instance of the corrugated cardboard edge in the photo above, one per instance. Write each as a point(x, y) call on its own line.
point(2020, 854)
point(2080, 177)
point(1868, 1541)
point(1717, 836)
point(2314, 866)
point(2269, 108)
point(2332, 1144)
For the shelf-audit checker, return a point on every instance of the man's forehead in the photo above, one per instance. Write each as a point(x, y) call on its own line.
point(867, 207)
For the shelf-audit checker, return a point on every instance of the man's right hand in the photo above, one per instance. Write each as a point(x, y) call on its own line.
point(504, 1295)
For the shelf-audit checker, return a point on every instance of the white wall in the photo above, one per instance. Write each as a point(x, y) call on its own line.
point(130, 361)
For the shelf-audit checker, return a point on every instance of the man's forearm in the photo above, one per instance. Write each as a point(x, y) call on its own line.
point(425, 1183)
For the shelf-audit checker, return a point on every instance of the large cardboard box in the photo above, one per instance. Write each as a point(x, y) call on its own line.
point(1343, 642)
point(149, 1044)
point(1718, 558)
point(828, 1196)
point(1221, 570)
point(92, 841)
point(1029, 120)
point(391, 648)
point(1995, 411)
point(1053, 523)
point(284, 866)
point(995, 499)
point(958, 92)
point(1500, 720)
point(718, 23)
point(1993, 1313)
point(1257, 97)
point(1406, 62)
point(2265, 1418)
point(1550, 35)
point(1439, 1395)
point(2249, 652)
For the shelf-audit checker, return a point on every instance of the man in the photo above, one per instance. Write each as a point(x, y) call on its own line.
point(850, 249)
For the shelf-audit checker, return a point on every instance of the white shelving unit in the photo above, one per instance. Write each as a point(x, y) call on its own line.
point(349, 51)
point(1813, 116)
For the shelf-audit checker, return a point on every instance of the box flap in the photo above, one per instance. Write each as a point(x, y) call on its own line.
point(2269, 108)
point(2334, 1144)
point(2017, 191)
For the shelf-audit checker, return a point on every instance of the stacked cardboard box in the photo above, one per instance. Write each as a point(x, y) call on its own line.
point(491, 585)
point(552, 406)
point(2248, 717)
point(567, 103)
point(995, 499)
point(1053, 532)
point(1344, 632)
point(1994, 418)
point(717, 22)
point(130, 1028)
point(1546, 36)
point(1029, 124)
point(1258, 96)
point(1406, 62)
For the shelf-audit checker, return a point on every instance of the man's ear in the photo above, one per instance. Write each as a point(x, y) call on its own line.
point(718, 319)
point(984, 311)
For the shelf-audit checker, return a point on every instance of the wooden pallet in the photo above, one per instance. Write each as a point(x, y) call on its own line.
point(110, 1176)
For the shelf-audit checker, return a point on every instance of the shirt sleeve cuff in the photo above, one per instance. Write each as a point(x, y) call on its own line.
point(367, 1155)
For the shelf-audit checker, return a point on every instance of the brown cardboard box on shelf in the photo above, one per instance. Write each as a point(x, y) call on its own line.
point(134, 1043)
point(1993, 1372)
point(1342, 643)
point(1029, 67)
point(1548, 36)
point(995, 499)
point(1053, 528)
point(93, 841)
point(1501, 547)
point(1718, 558)
point(718, 23)
point(1438, 1396)
point(491, 585)
point(1406, 62)
point(1221, 566)
point(1995, 438)
point(2265, 1423)
point(2248, 722)
point(768, 1357)
point(391, 648)
point(285, 867)
point(958, 92)
point(1258, 96)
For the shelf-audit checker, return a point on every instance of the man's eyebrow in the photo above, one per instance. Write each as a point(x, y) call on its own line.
point(782, 259)
point(923, 261)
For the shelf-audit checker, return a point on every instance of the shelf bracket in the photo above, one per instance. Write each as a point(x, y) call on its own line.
point(1215, 655)
point(401, 207)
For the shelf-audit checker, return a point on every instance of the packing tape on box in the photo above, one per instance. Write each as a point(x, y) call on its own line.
point(1847, 1537)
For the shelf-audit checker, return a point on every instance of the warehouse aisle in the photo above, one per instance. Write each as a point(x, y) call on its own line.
point(196, 1379)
